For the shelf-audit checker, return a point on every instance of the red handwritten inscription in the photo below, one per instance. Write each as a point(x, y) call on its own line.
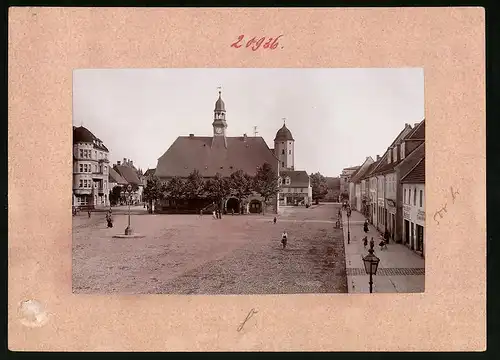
point(257, 43)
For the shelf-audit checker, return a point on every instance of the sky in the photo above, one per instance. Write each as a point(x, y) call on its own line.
point(337, 117)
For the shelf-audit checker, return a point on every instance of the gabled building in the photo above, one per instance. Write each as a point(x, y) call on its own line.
point(129, 172)
point(368, 191)
point(90, 169)
point(295, 188)
point(345, 177)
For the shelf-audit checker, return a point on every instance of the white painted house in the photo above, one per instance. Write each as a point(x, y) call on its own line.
point(414, 207)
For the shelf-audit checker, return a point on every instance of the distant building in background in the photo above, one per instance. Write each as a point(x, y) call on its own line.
point(295, 188)
point(90, 169)
point(132, 176)
point(356, 186)
point(345, 178)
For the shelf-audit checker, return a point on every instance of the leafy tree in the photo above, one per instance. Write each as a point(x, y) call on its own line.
point(319, 187)
point(266, 182)
point(174, 189)
point(218, 188)
point(241, 186)
point(153, 191)
point(194, 187)
point(115, 194)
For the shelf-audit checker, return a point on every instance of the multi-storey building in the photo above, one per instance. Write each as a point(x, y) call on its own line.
point(90, 169)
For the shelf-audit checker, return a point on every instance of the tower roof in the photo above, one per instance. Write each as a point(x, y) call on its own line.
point(219, 104)
point(283, 134)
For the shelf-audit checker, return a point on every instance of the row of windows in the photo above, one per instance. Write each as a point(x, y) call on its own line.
point(87, 184)
point(87, 168)
point(288, 181)
point(87, 154)
point(283, 152)
point(297, 190)
point(407, 200)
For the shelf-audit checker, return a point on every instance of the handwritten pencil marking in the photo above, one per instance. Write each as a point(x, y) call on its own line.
point(250, 314)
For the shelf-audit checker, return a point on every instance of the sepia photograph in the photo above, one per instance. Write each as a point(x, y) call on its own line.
point(244, 181)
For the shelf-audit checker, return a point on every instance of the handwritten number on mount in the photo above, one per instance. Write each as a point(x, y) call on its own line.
point(255, 44)
point(235, 44)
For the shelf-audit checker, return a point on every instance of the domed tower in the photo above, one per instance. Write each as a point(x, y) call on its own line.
point(284, 148)
point(219, 123)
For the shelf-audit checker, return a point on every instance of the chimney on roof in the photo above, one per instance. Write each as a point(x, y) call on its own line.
point(124, 161)
point(416, 124)
point(191, 135)
point(131, 163)
point(245, 137)
point(378, 157)
point(118, 163)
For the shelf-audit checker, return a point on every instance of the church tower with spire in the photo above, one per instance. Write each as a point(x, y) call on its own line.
point(219, 125)
point(284, 148)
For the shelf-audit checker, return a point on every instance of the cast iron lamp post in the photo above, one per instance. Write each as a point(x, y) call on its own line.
point(128, 230)
point(371, 265)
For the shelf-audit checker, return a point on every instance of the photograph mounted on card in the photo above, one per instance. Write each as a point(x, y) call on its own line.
point(246, 179)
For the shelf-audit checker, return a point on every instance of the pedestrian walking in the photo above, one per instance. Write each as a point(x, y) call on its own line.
point(274, 220)
point(383, 245)
point(214, 215)
point(365, 226)
point(372, 243)
point(232, 211)
point(387, 236)
point(284, 239)
point(109, 219)
point(89, 212)
point(365, 241)
point(201, 213)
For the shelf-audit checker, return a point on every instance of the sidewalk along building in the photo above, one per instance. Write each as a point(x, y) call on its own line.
point(355, 188)
point(414, 207)
point(295, 188)
point(132, 176)
point(221, 154)
point(90, 169)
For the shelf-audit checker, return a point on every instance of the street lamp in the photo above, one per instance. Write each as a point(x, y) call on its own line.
point(128, 230)
point(348, 226)
point(371, 264)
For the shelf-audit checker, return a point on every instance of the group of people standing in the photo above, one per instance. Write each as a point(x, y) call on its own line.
point(384, 241)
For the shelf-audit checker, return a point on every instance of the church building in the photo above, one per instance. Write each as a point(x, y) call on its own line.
point(221, 154)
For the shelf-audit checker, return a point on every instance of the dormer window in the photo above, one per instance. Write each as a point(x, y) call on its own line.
point(395, 154)
point(389, 156)
point(280, 181)
point(287, 181)
point(402, 151)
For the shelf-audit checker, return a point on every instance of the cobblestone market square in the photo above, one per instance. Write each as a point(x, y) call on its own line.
point(189, 254)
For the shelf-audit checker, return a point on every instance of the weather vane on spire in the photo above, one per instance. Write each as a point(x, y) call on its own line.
point(284, 121)
point(220, 89)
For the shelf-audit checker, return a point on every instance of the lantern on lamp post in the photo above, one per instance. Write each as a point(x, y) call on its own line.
point(371, 264)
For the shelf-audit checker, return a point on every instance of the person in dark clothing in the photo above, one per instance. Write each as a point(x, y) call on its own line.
point(387, 235)
point(284, 239)
point(365, 241)
point(109, 219)
point(365, 226)
point(90, 213)
point(274, 220)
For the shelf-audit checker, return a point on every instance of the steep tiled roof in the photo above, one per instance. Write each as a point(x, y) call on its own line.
point(352, 168)
point(114, 177)
point(418, 132)
point(360, 173)
point(400, 135)
point(149, 172)
point(298, 178)
point(81, 134)
point(416, 175)
point(128, 173)
point(210, 157)
point(370, 169)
